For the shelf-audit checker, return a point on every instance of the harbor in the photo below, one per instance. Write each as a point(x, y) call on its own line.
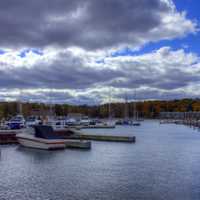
point(164, 160)
point(76, 138)
point(191, 119)
point(99, 100)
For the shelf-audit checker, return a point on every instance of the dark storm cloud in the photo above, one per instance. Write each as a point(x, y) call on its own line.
point(169, 80)
point(89, 24)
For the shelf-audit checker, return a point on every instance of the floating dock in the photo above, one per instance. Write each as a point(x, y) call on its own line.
point(102, 126)
point(98, 126)
point(109, 138)
point(80, 144)
point(73, 138)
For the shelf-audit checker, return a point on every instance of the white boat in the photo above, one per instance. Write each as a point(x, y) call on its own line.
point(40, 143)
point(16, 122)
point(85, 121)
point(40, 137)
point(43, 137)
point(72, 122)
point(135, 123)
point(56, 123)
point(32, 120)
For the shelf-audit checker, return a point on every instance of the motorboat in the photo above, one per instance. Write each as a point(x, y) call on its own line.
point(85, 121)
point(16, 122)
point(72, 122)
point(41, 137)
point(135, 123)
point(32, 120)
point(44, 137)
point(56, 123)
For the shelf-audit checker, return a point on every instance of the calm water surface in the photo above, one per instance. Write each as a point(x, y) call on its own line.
point(164, 163)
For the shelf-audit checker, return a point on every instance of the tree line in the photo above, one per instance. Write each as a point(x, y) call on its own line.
point(145, 109)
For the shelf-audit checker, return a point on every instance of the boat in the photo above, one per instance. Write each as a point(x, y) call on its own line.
point(32, 120)
point(41, 137)
point(40, 143)
point(72, 122)
point(135, 123)
point(16, 122)
point(85, 121)
point(56, 123)
point(44, 137)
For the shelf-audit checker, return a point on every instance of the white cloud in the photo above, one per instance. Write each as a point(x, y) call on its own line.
point(78, 76)
point(76, 51)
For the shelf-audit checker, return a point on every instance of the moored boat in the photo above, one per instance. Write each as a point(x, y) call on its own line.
point(16, 122)
point(40, 143)
point(44, 137)
point(41, 137)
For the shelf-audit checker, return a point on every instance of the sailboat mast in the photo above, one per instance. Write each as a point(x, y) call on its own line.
point(51, 99)
point(126, 114)
point(19, 103)
point(134, 108)
point(109, 105)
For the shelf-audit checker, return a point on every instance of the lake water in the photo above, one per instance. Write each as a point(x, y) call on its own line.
point(164, 163)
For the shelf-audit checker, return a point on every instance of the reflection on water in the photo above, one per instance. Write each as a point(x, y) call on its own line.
point(164, 163)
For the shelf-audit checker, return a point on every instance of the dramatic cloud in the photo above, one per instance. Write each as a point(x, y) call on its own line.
point(65, 51)
point(80, 79)
point(90, 24)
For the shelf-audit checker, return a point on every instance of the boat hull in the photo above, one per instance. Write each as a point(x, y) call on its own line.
point(40, 143)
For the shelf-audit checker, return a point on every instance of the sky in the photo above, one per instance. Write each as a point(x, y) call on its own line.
point(92, 52)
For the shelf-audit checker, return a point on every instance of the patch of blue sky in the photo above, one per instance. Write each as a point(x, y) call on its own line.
point(2, 52)
point(101, 61)
point(123, 52)
point(190, 6)
point(189, 43)
point(24, 52)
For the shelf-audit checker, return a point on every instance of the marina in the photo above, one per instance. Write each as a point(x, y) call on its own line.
point(99, 100)
point(162, 164)
point(191, 119)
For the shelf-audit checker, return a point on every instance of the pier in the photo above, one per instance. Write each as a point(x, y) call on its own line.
point(98, 126)
point(191, 119)
point(80, 144)
point(73, 138)
point(109, 138)
point(98, 137)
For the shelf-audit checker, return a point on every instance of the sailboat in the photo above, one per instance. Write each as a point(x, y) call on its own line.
point(18, 121)
point(135, 121)
point(109, 123)
point(126, 120)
